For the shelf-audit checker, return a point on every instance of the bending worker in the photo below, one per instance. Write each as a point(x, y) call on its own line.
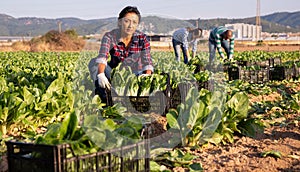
point(181, 40)
point(220, 37)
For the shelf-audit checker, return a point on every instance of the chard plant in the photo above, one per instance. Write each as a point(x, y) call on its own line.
point(209, 117)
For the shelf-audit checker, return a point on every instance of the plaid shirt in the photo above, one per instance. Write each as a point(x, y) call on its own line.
point(137, 55)
point(182, 35)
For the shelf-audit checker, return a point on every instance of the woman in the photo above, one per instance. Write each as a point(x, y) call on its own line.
point(125, 45)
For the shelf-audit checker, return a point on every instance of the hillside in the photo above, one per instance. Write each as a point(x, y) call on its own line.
point(287, 19)
point(273, 23)
point(32, 26)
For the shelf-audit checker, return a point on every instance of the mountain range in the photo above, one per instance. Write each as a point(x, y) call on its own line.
point(33, 26)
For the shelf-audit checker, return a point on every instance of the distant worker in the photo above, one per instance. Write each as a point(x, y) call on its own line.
point(181, 40)
point(220, 37)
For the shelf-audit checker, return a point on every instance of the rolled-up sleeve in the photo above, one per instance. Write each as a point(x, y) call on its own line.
point(195, 45)
point(104, 49)
point(185, 41)
point(146, 56)
point(219, 47)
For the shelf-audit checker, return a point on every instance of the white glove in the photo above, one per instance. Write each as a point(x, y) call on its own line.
point(222, 57)
point(144, 75)
point(103, 81)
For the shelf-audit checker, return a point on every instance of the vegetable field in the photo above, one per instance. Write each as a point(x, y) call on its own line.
point(198, 118)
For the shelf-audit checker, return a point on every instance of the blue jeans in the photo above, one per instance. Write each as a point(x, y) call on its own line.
point(177, 46)
point(212, 45)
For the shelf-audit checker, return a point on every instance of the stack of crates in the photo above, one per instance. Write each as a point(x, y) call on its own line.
point(158, 103)
point(279, 72)
point(271, 69)
point(243, 71)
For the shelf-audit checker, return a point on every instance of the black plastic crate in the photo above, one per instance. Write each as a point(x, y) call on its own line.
point(244, 63)
point(204, 85)
point(178, 94)
point(199, 67)
point(274, 61)
point(280, 73)
point(209, 85)
point(226, 66)
point(263, 63)
point(233, 73)
point(55, 158)
point(158, 103)
point(252, 76)
point(296, 71)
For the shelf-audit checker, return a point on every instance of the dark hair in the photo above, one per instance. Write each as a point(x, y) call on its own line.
point(129, 9)
point(197, 32)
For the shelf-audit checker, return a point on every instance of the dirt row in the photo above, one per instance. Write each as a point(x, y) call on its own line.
point(248, 154)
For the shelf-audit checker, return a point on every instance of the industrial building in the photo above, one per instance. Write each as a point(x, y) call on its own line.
point(244, 31)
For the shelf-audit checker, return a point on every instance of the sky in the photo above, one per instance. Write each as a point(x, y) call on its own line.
point(180, 9)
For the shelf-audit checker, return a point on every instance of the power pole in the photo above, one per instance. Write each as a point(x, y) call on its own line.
point(59, 26)
point(258, 24)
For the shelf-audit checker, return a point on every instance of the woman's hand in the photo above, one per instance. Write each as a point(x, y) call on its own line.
point(103, 81)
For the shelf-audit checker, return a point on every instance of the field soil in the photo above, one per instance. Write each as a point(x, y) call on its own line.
point(246, 154)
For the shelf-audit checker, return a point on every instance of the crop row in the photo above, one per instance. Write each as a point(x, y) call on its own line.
point(48, 98)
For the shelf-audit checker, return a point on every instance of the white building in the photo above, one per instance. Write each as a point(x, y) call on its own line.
point(244, 31)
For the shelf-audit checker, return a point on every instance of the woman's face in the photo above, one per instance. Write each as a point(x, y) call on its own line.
point(129, 23)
